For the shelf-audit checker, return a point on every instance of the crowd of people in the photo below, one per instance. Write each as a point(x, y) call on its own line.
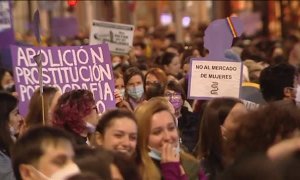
point(157, 132)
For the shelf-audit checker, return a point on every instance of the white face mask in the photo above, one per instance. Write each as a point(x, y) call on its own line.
point(8, 86)
point(62, 174)
point(155, 154)
point(90, 127)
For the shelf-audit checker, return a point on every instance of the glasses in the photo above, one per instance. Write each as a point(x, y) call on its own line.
point(95, 107)
point(173, 95)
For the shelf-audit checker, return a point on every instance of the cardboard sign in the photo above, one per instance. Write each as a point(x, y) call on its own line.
point(68, 68)
point(216, 75)
point(5, 22)
point(119, 37)
point(67, 27)
point(6, 33)
point(211, 79)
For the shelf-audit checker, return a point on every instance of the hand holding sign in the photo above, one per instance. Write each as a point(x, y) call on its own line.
point(215, 75)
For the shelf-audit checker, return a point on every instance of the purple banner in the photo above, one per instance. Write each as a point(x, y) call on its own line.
point(67, 27)
point(69, 67)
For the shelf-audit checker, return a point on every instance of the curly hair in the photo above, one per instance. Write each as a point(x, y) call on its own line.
point(262, 128)
point(71, 108)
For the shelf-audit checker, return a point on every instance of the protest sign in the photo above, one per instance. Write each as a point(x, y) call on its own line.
point(119, 37)
point(6, 33)
point(5, 22)
point(216, 75)
point(64, 26)
point(215, 79)
point(68, 68)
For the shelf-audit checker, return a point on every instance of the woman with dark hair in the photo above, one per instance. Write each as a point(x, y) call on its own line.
point(9, 125)
point(6, 79)
point(170, 63)
point(106, 165)
point(218, 121)
point(134, 84)
point(117, 131)
point(188, 122)
point(266, 126)
point(155, 82)
point(35, 113)
point(76, 112)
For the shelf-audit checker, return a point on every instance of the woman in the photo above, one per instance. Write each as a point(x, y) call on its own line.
point(77, 113)
point(35, 114)
point(219, 120)
point(134, 83)
point(6, 79)
point(158, 149)
point(9, 123)
point(170, 63)
point(113, 166)
point(117, 131)
point(155, 82)
point(120, 92)
point(188, 121)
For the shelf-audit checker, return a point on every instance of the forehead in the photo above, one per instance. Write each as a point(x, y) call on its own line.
point(175, 59)
point(161, 118)
point(151, 77)
point(135, 78)
point(121, 123)
point(53, 148)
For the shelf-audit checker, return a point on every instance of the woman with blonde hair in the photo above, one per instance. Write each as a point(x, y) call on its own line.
point(34, 116)
point(158, 152)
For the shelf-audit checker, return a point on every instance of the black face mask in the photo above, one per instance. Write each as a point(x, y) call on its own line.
point(154, 90)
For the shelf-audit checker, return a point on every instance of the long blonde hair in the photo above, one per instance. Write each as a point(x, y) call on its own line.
point(144, 113)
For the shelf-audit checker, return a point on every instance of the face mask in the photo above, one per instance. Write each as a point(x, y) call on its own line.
point(122, 92)
point(136, 92)
point(90, 127)
point(177, 103)
point(115, 64)
point(155, 154)
point(8, 86)
point(66, 172)
point(13, 131)
point(62, 174)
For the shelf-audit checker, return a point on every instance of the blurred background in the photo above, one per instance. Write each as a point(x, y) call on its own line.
point(181, 17)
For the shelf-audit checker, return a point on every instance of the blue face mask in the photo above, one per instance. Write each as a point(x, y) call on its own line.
point(155, 154)
point(136, 92)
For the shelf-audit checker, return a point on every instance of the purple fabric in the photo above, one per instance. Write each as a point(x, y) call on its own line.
point(171, 171)
point(69, 67)
point(67, 27)
point(202, 175)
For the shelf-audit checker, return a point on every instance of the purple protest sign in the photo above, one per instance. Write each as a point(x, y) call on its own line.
point(67, 27)
point(69, 67)
point(216, 75)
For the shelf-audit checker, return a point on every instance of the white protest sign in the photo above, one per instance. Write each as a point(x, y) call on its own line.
point(211, 79)
point(119, 37)
point(5, 22)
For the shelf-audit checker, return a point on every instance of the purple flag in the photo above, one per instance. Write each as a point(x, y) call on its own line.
point(69, 67)
point(67, 27)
